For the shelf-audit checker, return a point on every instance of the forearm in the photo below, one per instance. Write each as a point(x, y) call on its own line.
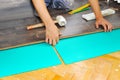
point(96, 8)
point(43, 12)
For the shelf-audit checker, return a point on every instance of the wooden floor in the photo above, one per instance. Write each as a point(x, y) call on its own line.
point(14, 33)
point(106, 67)
point(102, 68)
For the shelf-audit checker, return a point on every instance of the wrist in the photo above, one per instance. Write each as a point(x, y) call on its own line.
point(99, 17)
point(50, 26)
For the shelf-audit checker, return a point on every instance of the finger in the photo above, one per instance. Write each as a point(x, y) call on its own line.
point(47, 40)
point(111, 27)
point(105, 27)
point(50, 41)
point(57, 40)
point(54, 42)
point(97, 26)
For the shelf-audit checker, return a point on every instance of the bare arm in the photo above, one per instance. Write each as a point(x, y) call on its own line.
point(99, 18)
point(52, 33)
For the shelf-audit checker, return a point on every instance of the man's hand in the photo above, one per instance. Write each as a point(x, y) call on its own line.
point(52, 34)
point(103, 22)
point(99, 18)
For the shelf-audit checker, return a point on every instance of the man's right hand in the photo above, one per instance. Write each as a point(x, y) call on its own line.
point(52, 34)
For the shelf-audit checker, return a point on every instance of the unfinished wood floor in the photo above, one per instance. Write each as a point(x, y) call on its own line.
point(106, 67)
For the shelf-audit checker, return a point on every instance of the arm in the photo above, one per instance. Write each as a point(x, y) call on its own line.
point(99, 18)
point(52, 33)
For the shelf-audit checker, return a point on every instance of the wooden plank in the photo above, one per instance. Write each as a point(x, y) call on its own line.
point(14, 33)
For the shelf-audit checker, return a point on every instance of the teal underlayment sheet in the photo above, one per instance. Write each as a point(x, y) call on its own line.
point(27, 58)
point(88, 46)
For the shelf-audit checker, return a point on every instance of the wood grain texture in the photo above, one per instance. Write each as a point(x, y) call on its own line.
point(14, 33)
